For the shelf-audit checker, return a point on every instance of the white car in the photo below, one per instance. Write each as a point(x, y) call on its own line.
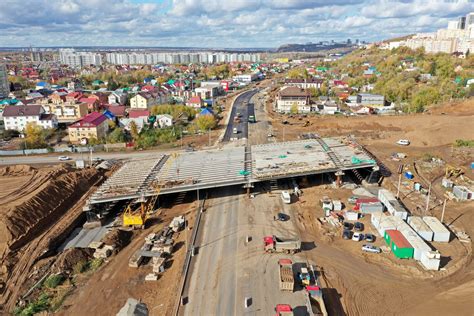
point(357, 237)
point(371, 248)
point(63, 158)
point(403, 142)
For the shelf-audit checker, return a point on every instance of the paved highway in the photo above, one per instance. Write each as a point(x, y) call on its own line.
point(243, 106)
point(227, 269)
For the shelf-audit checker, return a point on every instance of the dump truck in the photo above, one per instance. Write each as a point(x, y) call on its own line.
point(315, 302)
point(287, 280)
point(277, 244)
point(283, 310)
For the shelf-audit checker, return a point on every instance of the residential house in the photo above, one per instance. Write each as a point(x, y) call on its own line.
point(143, 100)
point(195, 102)
point(117, 97)
point(74, 85)
point(42, 85)
point(164, 120)
point(16, 117)
point(93, 104)
point(328, 107)
point(143, 114)
point(304, 83)
point(116, 110)
point(66, 112)
point(293, 99)
point(93, 125)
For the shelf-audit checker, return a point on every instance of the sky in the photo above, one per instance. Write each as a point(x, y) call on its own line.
point(217, 23)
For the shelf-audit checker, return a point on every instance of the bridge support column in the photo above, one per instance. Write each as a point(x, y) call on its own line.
point(339, 175)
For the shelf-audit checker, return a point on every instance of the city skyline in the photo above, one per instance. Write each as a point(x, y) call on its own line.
point(213, 24)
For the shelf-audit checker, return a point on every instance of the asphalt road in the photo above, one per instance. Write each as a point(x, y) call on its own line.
point(227, 269)
point(243, 106)
point(53, 158)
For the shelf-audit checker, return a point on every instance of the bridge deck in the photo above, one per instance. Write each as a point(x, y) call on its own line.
point(230, 166)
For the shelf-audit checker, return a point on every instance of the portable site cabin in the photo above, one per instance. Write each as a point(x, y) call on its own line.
point(440, 232)
point(392, 205)
point(368, 205)
point(382, 222)
point(429, 259)
point(401, 248)
point(420, 227)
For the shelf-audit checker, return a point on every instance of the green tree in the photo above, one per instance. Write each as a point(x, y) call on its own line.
point(294, 108)
point(117, 136)
point(134, 130)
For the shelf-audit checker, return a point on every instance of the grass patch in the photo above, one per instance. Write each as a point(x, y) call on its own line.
point(95, 263)
point(53, 281)
point(80, 267)
point(41, 304)
point(464, 143)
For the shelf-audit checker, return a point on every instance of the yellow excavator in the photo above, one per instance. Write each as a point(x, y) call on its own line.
point(137, 218)
point(453, 172)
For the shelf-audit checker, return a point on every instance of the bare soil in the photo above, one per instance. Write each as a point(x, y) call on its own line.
point(38, 207)
point(108, 289)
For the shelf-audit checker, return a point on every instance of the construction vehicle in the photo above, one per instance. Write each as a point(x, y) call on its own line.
point(452, 172)
point(287, 282)
point(315, 301)
point(137, 217)
point(304, 277)
point(276, 244)
point(283, 310)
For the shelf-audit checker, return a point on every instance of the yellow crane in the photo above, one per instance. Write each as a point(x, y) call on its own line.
point(453, 171)
point(138, 217)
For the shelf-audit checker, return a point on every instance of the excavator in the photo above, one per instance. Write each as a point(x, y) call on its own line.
point(453, 172)
point(137, 217)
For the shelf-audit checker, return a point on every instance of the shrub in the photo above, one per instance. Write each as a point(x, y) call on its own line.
point(53, 281)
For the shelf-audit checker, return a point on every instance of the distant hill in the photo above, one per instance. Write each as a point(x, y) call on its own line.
point(310, 47)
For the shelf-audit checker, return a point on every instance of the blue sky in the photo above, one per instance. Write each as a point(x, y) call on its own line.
point(217, 23)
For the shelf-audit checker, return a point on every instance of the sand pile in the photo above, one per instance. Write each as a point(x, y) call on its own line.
point(38, 206)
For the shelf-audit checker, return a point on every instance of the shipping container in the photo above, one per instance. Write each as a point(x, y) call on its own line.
point(385, 196)
point(420, 227)
point(409, 175)
point(370, 207)
point(337, 205)
point(365, 200)
point(462, 192)
point(395, 208)
point(440, 232)
point(401, 248)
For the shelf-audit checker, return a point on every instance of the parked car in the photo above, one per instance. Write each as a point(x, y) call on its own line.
point(358, 226)
point(352, 200)
point(369, 238)
point(346, 234)
point(371, 249)
point(357, 237)
point(403, 142)
point(64, 158)
point(97, 159)
point(347, 226)
point(282, 217)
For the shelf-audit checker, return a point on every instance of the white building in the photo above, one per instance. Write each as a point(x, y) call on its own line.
point(293, 99)
point(73, 58)
point(246, 78)
point(164, 120)
point(16, 117)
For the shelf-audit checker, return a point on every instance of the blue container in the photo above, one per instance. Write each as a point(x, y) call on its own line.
point(472, 165)
point(409, 175)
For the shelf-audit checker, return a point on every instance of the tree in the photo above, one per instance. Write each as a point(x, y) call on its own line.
point(294, 108)
point(314, 92)
point(206, 122)
point(117, 136)
point(134, 130)
point(34, 136)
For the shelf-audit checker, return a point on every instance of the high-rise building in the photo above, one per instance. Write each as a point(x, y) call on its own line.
point(469, 20)
point(4, 85)
point(79, 59)
point(462, 23)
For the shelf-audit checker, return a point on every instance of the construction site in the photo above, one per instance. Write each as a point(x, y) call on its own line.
point(171, 232)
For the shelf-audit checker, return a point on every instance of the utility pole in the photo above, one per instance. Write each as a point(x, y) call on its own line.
point(428, 199)
point(90, 149)
point(400, 171)
point(209, 137)
point(444, 208)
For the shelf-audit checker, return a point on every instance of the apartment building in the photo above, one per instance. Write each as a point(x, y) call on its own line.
point(94, 125)
point(143, 100)
point(76, 59)
point(16, 117)
point(293, 99)
point(4, 85)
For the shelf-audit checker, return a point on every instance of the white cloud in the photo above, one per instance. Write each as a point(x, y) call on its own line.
point(216, 23)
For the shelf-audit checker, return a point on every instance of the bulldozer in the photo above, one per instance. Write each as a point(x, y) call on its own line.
point(452, 172)
point(137, 217)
